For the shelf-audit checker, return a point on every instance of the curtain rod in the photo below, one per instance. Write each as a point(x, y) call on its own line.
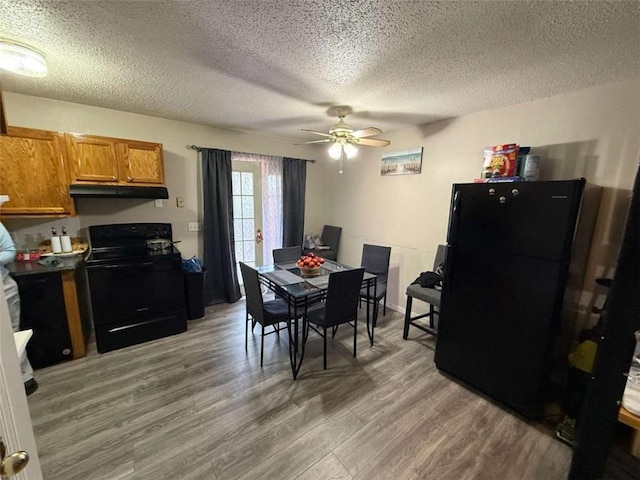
point(196, 147)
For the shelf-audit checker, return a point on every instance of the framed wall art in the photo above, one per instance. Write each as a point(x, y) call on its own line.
point(406, 162)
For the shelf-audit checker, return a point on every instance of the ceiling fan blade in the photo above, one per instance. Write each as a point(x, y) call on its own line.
point(366, 132)
point(372, 142)
point(317, 133)
point(315, 141)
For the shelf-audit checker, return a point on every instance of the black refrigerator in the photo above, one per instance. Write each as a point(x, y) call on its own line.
point(508, 256)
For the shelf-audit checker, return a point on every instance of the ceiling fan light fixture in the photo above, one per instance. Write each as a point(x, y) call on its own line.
point(350, 150)
point(21, 59)
point(335, 150)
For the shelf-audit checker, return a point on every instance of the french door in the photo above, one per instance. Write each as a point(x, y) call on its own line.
point(247, 213)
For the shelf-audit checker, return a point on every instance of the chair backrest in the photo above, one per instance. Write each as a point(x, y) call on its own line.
point(287, 254)
point(343, 294)
point(375, 259)
point(440, 254)
point(331, 236)
point(253, 292)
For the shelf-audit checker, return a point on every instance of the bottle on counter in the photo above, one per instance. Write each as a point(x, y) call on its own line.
point(56, 245)
point(65, 241)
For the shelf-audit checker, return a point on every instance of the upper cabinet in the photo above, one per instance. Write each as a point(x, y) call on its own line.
point(103, 160)
point(33, 174)
point(91, 159)
point(141, 162)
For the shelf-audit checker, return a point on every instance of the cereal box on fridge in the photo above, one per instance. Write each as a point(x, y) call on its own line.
point(500, 160)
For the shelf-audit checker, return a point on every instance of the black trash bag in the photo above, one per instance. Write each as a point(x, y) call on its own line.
point(192, 265)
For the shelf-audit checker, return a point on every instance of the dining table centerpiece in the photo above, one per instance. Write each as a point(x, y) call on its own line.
point(310, 264)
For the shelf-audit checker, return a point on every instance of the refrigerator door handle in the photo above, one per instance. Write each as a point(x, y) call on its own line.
point(448, 258)
point(453, 219)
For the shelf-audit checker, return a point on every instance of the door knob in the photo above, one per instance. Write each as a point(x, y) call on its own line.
point(14, 463)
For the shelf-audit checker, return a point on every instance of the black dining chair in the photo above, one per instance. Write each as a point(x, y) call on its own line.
point(287, 254)
point(375, 260)
point(269, 313)
point(428, 295)
point(341, 306)
point(331, 238)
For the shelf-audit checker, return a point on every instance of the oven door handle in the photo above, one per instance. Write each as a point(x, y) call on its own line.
point(136, 325)
point(133, 267)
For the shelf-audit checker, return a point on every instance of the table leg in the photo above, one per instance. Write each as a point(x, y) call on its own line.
point(296, 350)
point(371, 325)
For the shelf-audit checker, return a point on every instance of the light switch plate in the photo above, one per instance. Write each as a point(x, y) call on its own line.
point(158, 203)
point(194, 226)
point(180, 202)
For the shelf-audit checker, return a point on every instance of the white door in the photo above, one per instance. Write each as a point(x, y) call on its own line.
point(247, 212)
point(15, 422)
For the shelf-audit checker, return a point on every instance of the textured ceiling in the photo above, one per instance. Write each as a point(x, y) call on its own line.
point(276, 65)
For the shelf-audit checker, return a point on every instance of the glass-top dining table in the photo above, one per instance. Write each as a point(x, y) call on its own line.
point(302, 291)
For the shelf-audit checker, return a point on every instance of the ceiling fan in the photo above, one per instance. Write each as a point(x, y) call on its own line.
point(344, 138)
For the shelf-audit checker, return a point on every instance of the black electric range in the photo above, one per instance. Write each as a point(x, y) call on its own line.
point(137, 294)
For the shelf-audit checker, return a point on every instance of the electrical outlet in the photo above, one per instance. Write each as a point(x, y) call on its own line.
point(194, 226)
point(158, 203)
point(180, 202)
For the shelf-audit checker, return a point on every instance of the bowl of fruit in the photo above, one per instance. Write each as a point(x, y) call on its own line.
point(310, 264)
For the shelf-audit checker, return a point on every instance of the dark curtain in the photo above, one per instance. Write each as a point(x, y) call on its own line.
point(294, 176)
point(221, 280)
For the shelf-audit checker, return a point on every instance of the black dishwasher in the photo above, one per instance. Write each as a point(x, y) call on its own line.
point(42, 310)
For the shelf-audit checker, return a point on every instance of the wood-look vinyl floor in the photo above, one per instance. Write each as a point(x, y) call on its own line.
point(197, 406)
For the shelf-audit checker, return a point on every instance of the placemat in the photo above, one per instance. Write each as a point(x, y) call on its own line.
point(283, 277)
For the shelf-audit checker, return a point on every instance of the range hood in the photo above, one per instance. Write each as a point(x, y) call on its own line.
point(117, 191)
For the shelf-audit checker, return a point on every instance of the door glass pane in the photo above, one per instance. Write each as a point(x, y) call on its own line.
point(237, 229)
point(248, 229)
point(237, 206)
point(235, 183)
point(249, 251)
point(247, 207)
point(247, 183)
point(239, 252)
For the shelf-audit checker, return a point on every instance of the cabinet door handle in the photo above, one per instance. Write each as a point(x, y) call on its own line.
point(114, 178)
point(129, 179)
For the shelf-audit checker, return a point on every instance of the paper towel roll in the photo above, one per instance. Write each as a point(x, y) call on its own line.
point(65, 240)
point(56, 245)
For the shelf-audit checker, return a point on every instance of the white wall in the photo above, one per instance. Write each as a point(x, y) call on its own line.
point(182, 167)
point(592, 133)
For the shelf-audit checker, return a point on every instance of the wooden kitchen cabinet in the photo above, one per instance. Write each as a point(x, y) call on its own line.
point(33, 174)
point(98, 160)
point(141, 162)
point(91, 159)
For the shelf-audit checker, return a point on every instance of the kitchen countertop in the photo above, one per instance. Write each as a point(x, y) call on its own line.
point(33, 267)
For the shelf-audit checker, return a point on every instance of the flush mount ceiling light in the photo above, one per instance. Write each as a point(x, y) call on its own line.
point(21, 59)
